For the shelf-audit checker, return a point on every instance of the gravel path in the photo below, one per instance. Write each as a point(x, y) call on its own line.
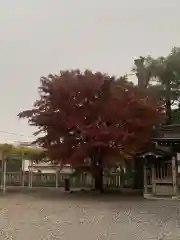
point(51, 215)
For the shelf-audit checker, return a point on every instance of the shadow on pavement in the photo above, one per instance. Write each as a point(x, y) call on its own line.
point(75, 194)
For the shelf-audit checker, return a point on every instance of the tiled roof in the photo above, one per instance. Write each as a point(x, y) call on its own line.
point(168, 132)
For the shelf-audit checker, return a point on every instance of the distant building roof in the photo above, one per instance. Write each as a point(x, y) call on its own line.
point(167, 132)
point(28, 144)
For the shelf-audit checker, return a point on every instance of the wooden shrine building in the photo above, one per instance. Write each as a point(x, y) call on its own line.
point(161, 175)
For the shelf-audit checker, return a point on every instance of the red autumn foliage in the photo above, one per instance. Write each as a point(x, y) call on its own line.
point(79, 113)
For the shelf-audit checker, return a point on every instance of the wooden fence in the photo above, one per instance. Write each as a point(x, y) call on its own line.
point(49, 180)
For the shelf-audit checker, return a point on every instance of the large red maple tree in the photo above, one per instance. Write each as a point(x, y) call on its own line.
point(91, 114)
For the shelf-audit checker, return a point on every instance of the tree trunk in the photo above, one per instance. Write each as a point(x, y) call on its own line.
point(97, 168)
point(138, 180)
point(67, 184)
point(168, 102)
point(168, 112)
point(99, 179)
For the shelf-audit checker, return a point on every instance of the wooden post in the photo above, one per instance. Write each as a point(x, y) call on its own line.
point(31, 178)
point(145, 178)
point(174, 175)
point(2, 170)
point(57, 178)
point(30, 173)
point(23, 166)
point(4, 175)
point(153, 179)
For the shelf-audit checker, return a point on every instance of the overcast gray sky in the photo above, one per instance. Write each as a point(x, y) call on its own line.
point(43, 36)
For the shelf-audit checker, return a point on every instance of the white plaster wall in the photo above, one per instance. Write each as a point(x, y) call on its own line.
point(26, 164)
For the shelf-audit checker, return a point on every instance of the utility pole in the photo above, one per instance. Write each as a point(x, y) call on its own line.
point(143, 79)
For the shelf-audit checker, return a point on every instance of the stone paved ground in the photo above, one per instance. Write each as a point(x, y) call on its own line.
point(50, 215)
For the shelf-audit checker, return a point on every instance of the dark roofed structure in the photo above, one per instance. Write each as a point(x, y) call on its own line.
point(168, 133)
point(161, 163)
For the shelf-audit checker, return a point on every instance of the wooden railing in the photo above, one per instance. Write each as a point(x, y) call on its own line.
point(49, 180)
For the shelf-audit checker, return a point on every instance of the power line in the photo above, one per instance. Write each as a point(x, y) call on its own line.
point(16, 134)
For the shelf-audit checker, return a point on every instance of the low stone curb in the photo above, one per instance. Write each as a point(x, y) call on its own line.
point(151, 197)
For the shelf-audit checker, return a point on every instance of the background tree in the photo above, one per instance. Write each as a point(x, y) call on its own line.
point(160, 77)
point(91, 114)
